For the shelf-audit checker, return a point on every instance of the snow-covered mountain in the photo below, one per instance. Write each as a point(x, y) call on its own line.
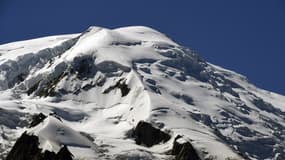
point(130, 93)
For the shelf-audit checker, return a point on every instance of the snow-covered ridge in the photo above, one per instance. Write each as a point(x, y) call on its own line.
point(103, 82)
point(53, 134)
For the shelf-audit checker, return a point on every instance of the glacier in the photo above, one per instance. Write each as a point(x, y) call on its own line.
point(102, 82)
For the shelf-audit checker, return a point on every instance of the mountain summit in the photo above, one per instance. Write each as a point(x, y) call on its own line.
point(130, 93)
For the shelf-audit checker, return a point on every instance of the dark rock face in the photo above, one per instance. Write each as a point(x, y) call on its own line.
point(26, 148)
point(84, 67)
point(121, 84)
point(37, 119)
point(184, 150)
point(48, 155)
point(64, 154)
point(146, 134)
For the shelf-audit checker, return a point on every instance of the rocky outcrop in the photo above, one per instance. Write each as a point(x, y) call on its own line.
point(26, 148)
point(121, 84)
point(37, 119)
point(64, 154)
point(146, 134)
point(183, 149)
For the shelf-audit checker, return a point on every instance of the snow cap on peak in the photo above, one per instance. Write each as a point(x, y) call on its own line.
point(122, 45)
point(139, 33)
point(145, 34)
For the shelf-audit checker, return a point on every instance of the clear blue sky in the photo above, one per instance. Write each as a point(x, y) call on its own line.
point(247, 36)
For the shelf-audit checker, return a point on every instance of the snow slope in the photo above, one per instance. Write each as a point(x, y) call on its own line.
point(102, 82)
